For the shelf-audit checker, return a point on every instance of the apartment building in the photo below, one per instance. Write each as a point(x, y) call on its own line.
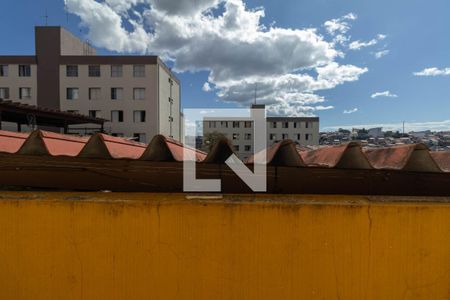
point(138, 95)
point(301, 130)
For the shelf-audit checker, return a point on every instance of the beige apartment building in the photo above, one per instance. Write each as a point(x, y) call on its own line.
point(138, 95)
point(302, 130)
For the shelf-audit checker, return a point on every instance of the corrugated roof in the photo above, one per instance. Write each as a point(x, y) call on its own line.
point(345, 156)
point(52, 160)
point(415, 157)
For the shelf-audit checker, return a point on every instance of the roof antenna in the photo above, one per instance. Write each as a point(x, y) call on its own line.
point(256, 90)
point(67, 13)
point(46, 17)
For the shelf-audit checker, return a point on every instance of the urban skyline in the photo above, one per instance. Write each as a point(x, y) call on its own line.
point(368, 71)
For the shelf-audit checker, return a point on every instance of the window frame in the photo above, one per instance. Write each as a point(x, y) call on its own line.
point(93, 72)
point(90, 90)
point(24, 70)
point(72, 89)
point(134, 94)
point(142, 116)
point(21, 96)
point(6, 92)
point(116, 89)
point(114, 73)
point(68, 71)
point(120, 117)
point(139, 73)
point(2, 70)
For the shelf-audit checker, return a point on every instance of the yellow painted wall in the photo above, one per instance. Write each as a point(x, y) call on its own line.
point(147, 246)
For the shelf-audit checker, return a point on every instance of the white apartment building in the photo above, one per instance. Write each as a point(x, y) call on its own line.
point(301, 130)
point(138, 95)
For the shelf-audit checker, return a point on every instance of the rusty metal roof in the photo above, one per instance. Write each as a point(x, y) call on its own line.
point(18, 112)
point(346, 168)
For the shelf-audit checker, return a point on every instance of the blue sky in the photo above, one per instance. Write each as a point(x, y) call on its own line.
point(415, 37)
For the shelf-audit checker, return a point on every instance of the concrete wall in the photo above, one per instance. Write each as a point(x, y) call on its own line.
point(173, 246)
point(14, 82)
point(71, 45)
point(106, 105)
point(165, 108)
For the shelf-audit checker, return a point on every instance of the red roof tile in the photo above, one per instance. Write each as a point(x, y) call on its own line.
point(162, 148)
point(345, 156)
point(414, 157)
point(105, 146)
point(10, 142)
point(282, 153)
point(49, 143)
point(442, 158)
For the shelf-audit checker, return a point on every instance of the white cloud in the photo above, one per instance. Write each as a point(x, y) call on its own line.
point(227, 40)
point(380, 54)
point(433, 72)
point(320, 107)
point(409, 126)
point(357, 45)
point(339, 25)
point(383, 94)
point(206, 87)
point(350, 111)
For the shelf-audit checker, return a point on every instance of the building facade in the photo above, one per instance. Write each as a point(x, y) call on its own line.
point(138, 95)
point(302, 130)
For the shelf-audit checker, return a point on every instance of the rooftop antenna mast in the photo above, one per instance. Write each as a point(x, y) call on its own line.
point(67, 13)
point(45, 17)
point(256, 90)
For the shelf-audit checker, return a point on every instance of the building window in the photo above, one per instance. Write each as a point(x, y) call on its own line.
point(235, 124)
point(24, 71)
point(273, 125)
point(139, 116)
point(295, 124)
point(139, 70)
point(139, 94)
point(95, 93)
point(140, 137)
point(247, 148)
point(116, 71)
point(248, 124)
point(235, 136)
point(285, 125)
point(272, 136)
point(4, 93)
point(94, 113)
point(224, 124)
point(3, 70)
point(170, 100)
point(94, 71)
point(170, 81)
point(170, 119)
point(117, 116)
point(248, 136)
point(24, 93)
point(236, 148)
point(298, 136)
point(212, 124)
point(284, 136)
point(72, 93)
point(117, 134)
point(306, 124)
point(307, 136)
point(116, 93)
point(73, 111)
point(72, 71)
